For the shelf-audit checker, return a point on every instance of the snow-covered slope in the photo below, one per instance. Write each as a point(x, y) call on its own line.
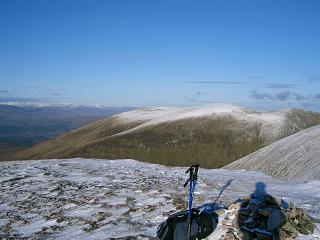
point(296, 157)
point(163, 114)
point(271, 122)
point(102, 199)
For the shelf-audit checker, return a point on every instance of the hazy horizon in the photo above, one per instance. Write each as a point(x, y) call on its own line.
point(253, 106)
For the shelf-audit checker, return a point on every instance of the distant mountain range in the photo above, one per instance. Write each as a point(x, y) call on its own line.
point(296, 157)
point(25, 125)
point(213, 135)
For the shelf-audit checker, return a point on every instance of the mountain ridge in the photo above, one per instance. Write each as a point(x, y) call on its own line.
point(214, 135)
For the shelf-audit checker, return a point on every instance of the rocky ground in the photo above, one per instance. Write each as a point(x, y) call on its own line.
point(261, 216)
point(103, 199)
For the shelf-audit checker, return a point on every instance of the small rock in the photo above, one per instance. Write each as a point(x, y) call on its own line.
point(243, 235)
point(251, 222)
point(271, 201)
point(244, 211)
point(220, 212)
point(237, 221)
point(265, 211)
point(235, 206)
point(229, 236)
point(262, 236)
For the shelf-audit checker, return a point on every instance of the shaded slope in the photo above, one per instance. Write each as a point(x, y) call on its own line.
point(23, 126)
point(213, 135)
point(68, 143)
point(296, 157)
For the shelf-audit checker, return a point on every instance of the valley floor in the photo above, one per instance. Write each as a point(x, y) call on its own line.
point(103, 199)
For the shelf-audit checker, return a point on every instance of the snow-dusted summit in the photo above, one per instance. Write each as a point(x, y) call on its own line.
point(271, 121)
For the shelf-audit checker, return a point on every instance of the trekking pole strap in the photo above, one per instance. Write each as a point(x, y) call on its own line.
point(193, 174)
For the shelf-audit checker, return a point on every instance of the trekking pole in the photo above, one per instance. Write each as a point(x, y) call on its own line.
point(193, 176)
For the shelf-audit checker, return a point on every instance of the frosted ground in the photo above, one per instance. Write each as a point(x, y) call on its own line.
point(103, 199)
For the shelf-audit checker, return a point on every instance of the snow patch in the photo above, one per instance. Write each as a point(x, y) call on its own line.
point(102, 199)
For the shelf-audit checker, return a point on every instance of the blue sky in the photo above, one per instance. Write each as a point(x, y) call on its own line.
point(259, 54)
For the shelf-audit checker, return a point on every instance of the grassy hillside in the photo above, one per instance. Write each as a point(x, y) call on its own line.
point(213, 141)
point(22, 127)
point(67, 144)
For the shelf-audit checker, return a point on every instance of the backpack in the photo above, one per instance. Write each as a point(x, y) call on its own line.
point(175, 227)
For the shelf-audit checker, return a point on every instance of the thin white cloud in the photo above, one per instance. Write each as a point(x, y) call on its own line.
point(214, 82)
point(280, 85)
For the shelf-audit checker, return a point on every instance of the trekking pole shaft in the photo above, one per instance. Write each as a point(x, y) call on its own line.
point(191, 188)
point(190, 198)
point(193, 176)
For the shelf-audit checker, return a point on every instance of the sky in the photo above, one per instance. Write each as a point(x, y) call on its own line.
point(261, 54)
